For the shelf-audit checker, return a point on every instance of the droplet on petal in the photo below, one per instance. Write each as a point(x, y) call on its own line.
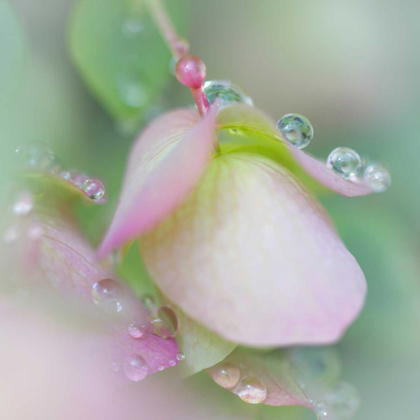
point(343, 401)
point(164, 322)
point(226, 93)
point(135, 330)
point(377, 177)
point(172, 363)
point(94, 189)
point(78, 179)
point(180, 357)
point(108, 295)
point(297, 129)
point(36, 155)
point(251, 390)
point(190, 71)
point(226, 375)
point(24, 204)
point(345, 162)
point(135, 368)
point(160, 368)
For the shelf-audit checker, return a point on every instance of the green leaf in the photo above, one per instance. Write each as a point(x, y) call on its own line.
point(12, 52)
point(121, 55)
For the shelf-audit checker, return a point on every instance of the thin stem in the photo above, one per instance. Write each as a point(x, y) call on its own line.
point(160, 15)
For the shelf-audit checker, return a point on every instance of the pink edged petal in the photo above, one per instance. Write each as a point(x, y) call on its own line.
point(63, 262)
point(165, 164)
point(247, 118)
point(253, 257)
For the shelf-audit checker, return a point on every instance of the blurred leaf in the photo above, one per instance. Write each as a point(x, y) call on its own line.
point(121, 55)
point(12, 42)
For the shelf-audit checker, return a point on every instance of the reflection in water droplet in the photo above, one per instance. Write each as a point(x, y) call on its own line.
point(378, 177)
point(24, 204)
point(226, 375)
point(115, 367)
point(133, 27)
point(343, 401)
point(180, 357)
point(135, 368)
point(226, 93)
point(164, 322)
point(251, 390)
point(297, 129)
point(94, 189)
point(132, 90)
point(108, 294)
point(345, 162)
point(135, 330)
point(79, 179)
point(36, 155)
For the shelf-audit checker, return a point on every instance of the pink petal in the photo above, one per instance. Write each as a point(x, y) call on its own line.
point(252, 256)
point(244, 117)
point(65, 263)
point(165, 164)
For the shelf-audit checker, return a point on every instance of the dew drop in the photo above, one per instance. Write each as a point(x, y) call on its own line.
point(135, 368)
point(226, 93)
point(345, 162)
point(78, 179)
point(180, 357)
point(297, 129)
point(377, 177)
point(172, 363)
point(24, 204)
point(226, 375)
point(94, 189)
point(160, 368)
point(37, 155)
point(131, 89)
point(343, 401)
point(321, 409)
point(133, 27)
point(135, 330)
point(67, 175)
point(251, 390)
point(164, 322)
point(108, 294)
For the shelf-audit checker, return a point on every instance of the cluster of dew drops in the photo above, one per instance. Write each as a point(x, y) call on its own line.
point(112, 297)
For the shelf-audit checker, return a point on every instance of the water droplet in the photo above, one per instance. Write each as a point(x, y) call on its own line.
point(180, 357)
point(133, 27)
point(135, 368)
point(135, 330)
point(226, 93)
point(36, 155)
point(343, 401)
point(345, 162)
point(11, 235)
point(251, 390)
point(164, 322)
point(24, 204)
point(115, 367)
point(94, 189)
point(297, 129)
point(108, 294)
point(226, 375)
point(132, 90)
point(78, 179)
point(160, 368)
point(378, 177)
point(172, 363)
point(148, 302)
point(67, 175)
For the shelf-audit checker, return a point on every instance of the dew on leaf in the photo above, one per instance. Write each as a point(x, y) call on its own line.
point(251, 390)
point(345, 162)
point(226, 375)
point(226, 93)
point(297, 129)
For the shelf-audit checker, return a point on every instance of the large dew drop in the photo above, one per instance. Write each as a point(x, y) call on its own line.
point(297, 129)
point(94, 189)
point(377, 177)
point(251, 390)
point(164, 322)
point(135, 368)
point(108, 295)
point(226, 93)
point(226, 375)
point(345, 162)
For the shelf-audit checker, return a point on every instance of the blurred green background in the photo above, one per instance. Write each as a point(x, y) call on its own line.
point(351, 67)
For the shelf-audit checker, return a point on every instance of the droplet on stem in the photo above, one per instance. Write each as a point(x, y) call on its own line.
point(345, 162)
point(297, 129)
point(226, 375)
